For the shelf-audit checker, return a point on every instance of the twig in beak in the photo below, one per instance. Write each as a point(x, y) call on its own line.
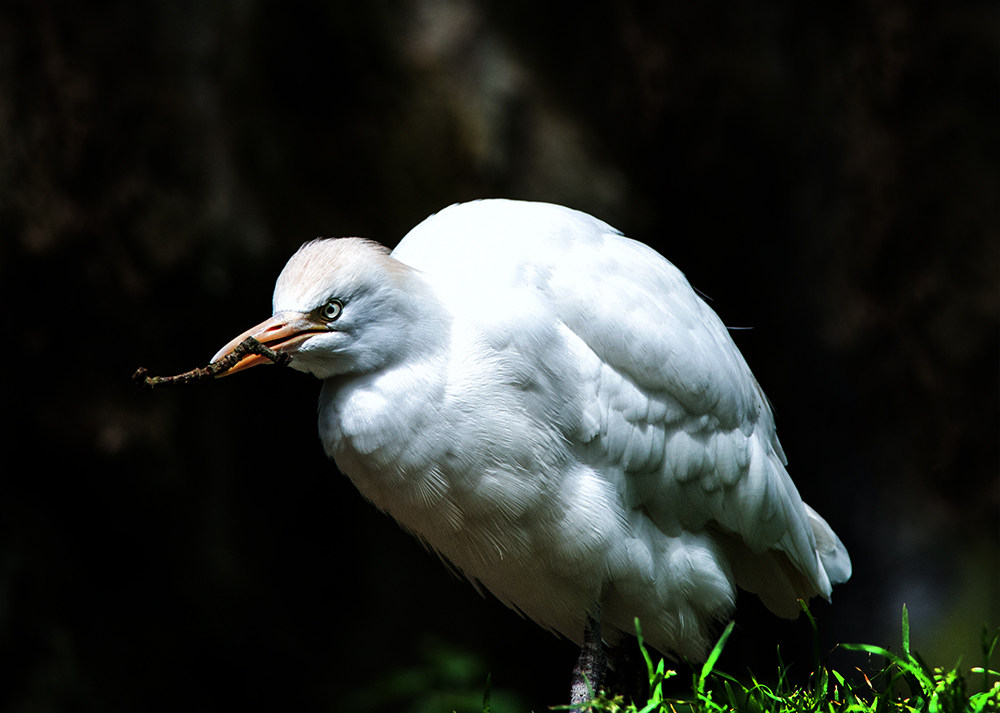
point(246, 347)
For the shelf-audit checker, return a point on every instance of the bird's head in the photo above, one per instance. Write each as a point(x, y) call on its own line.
point(340, 306)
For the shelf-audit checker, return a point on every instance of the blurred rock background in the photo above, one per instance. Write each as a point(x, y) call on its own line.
point(826, 173)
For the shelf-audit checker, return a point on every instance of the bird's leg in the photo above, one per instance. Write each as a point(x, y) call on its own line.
point(591, 665)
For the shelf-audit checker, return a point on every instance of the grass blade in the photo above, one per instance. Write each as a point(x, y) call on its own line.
point(709, 664)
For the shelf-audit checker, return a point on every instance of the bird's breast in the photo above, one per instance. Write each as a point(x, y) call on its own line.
point(470, 455)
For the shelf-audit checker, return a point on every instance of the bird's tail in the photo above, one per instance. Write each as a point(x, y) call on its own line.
point(831, 551)
point(775, 578)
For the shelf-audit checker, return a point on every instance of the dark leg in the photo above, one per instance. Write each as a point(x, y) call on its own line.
point(591, 663)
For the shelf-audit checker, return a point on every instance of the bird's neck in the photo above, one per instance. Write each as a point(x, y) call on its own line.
point(375, 424)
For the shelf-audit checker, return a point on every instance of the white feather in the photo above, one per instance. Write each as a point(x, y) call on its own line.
point(551, 407)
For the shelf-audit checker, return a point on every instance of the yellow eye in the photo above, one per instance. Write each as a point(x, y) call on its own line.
point(331, 310)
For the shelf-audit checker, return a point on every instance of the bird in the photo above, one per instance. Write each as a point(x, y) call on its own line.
point(551, 407)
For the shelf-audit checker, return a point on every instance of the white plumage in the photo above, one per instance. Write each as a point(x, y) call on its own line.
point(551, 407)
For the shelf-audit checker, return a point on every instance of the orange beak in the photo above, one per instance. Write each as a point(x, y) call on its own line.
point(283, 332)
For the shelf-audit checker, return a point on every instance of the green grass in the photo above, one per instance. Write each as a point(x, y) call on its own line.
point(900, 682)
point(878, 681)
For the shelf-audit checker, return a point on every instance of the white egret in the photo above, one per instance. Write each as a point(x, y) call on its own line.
point(551, 407)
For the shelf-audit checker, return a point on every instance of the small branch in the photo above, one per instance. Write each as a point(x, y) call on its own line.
point(245, 348)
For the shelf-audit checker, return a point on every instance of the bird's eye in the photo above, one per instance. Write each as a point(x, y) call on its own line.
point(331, 310)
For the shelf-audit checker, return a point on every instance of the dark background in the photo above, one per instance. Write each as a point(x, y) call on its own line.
point(826, 173)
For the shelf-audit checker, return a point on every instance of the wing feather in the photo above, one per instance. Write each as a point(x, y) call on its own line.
point(670, 365)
